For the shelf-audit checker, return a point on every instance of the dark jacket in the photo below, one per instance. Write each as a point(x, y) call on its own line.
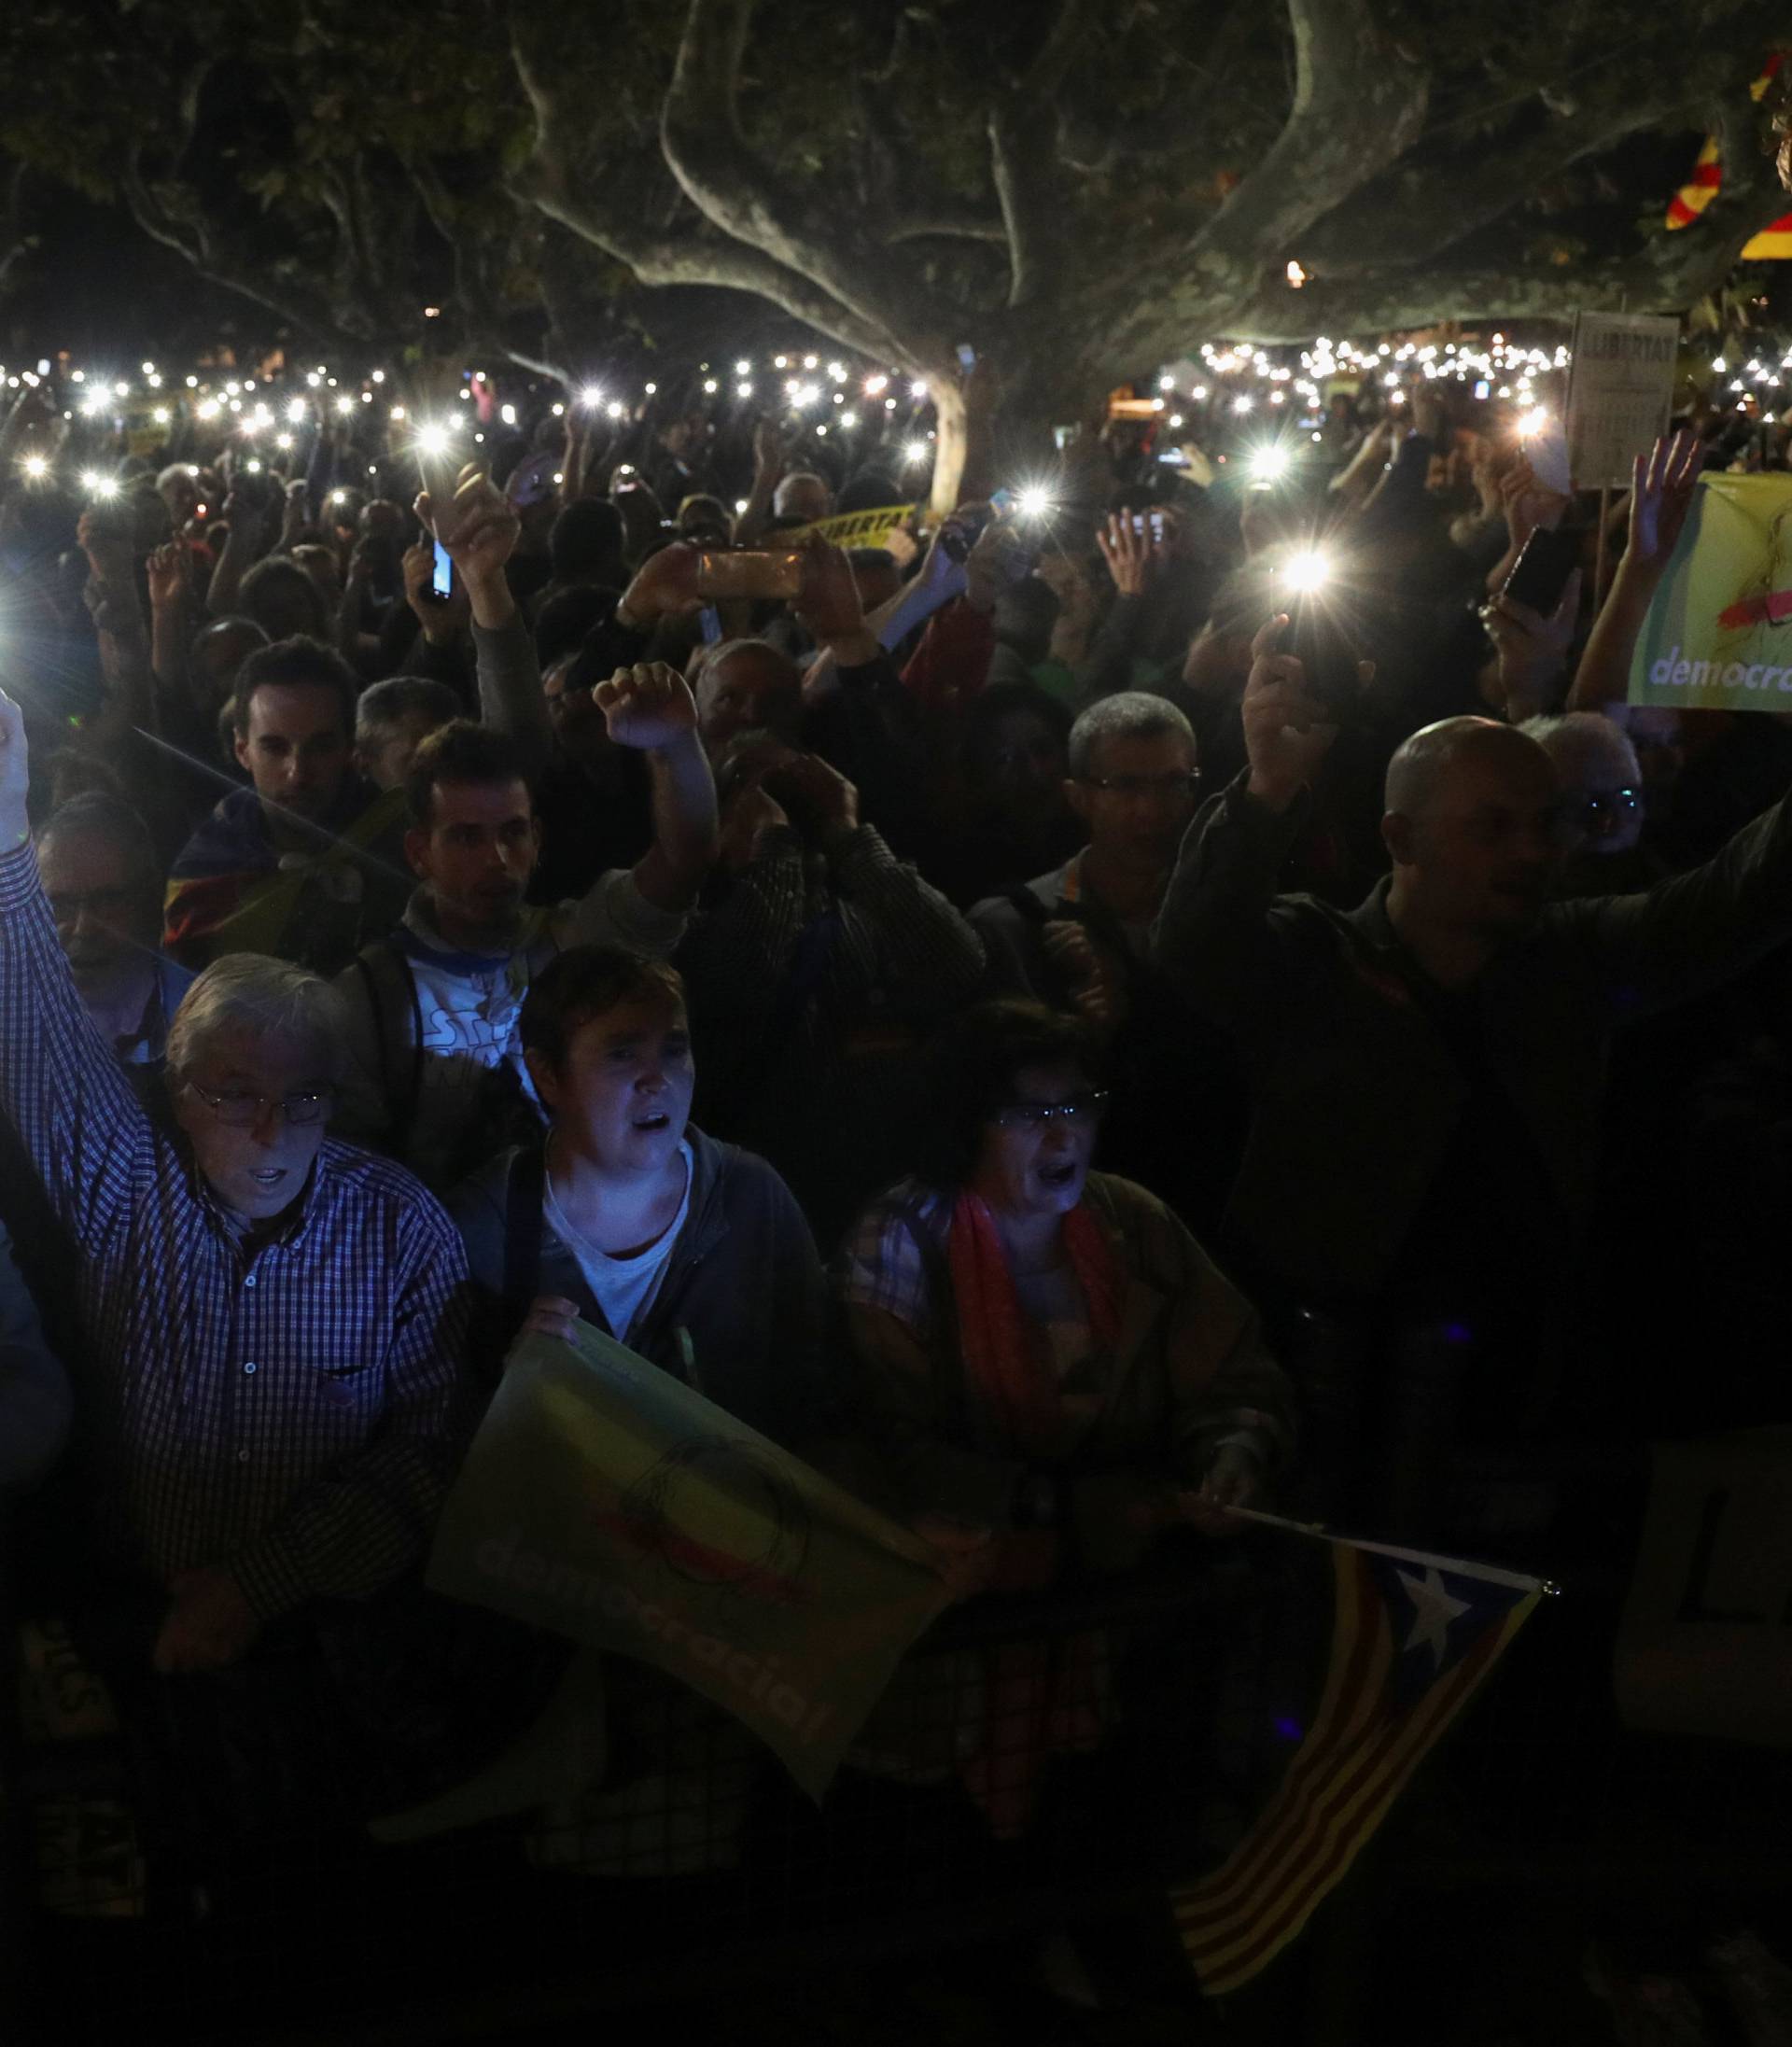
point(737, 1315)
point(1356, 1096)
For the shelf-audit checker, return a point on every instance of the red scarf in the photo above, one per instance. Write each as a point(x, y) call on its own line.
point(1003, 1357)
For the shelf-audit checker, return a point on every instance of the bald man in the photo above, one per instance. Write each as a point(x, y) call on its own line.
point(1426, 1069)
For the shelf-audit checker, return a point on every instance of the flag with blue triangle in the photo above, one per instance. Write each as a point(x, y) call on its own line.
point(1412, 1637)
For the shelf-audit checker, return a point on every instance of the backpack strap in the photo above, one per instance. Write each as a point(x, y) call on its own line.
point(398, 1027)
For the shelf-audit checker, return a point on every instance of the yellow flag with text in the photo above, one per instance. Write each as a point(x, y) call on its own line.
point(607, 1500)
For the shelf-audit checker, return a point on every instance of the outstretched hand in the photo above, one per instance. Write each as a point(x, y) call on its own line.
point(1662, 483)
point(479, 526)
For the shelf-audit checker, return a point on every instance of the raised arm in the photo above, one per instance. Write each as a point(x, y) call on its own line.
point(242, 551)
point(1213, 936)
point(768, 472)
point(651, 708)
point(1662, 485)
point(479, 531)
point(59, 1085)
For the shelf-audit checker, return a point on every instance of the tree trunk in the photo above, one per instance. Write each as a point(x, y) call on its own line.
point(951, 447)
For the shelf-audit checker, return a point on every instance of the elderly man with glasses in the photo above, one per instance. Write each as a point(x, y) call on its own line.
point(273, 1323)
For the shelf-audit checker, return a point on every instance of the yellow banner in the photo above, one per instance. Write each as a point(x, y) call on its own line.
point(858, 528)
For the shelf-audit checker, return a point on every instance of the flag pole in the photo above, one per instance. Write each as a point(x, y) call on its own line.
point(1318, 1532)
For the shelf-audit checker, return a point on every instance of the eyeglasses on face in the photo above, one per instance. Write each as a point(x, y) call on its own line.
point(1601, 807)
point(1176, 788)
point(242, 1111)
point(1039, 1116)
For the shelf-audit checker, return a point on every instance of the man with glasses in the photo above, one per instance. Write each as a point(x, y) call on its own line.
point(272, 1323)
point(1078, 940)
point(1071, 938)
point(1602, 808)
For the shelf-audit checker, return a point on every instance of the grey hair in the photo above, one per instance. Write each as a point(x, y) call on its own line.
point(382, 704)
point(708, 656)
point(1575, 734)
point(1420, 763)
point(269, 996)
point(1129, 714)
point(781, 496)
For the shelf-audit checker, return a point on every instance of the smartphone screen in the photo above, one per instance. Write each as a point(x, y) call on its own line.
point(442, 579)
point(1541, 573)
point(1328, 656)
point(967, 357)
point(749, 572)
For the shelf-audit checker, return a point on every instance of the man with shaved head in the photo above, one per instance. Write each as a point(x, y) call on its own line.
point(1426, 1069)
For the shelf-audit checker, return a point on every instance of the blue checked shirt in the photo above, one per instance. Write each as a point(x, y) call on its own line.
point(292, 1412)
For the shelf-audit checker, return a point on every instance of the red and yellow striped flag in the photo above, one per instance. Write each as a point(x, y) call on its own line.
point(1412, 1637)
point(1774, 244)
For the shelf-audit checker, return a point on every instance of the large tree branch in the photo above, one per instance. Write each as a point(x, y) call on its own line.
point(1358, 105)
point(1413, 212)
point(725, 179)
point(238, 267)
point(949, 225)
point(615, 210)
point(1024, 163)
point(1666, 275)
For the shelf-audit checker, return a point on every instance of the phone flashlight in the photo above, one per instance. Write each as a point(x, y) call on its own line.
point(1307, 572)
point(1269, 463)
point(1032, 501)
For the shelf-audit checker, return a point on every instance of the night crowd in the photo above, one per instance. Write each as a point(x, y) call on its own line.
point(1157, 998)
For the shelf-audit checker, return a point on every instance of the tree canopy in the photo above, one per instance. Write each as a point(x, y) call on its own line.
point(1076, 191)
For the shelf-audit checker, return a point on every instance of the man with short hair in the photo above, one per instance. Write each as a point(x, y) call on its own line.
point(747, 685)
point(100, 872)
point(303, 863)
point(273, 1324)
point(1079, 939)
point(801, 499)
point(438, 1071)
point(393, 719)
point(1071, 938)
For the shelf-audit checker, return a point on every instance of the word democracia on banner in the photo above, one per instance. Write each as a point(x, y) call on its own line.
point(1674, 672)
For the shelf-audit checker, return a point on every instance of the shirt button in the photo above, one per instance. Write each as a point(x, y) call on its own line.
point(242, 1456)
point(250, 1365)
point(249, 1280)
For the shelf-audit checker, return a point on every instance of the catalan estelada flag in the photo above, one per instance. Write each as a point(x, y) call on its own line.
point(1774, 244)
point(1412, 1637)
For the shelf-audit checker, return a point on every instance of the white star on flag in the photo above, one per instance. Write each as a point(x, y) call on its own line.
point(1434, 1610)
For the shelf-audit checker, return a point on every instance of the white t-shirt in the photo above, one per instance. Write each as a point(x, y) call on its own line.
point(623, 1288)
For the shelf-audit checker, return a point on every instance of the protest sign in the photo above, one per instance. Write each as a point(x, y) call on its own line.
point(1620, 393)
point(1705, 1647)
point(605, 1499)
point(858, 528)
point(1718, 635)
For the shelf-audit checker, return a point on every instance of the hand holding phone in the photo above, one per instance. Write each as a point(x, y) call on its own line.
point(1330, 659)
point(1541, 573)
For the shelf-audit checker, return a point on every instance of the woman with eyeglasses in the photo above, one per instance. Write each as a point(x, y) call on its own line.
point(1050, 1363)
point(1054, 1374)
